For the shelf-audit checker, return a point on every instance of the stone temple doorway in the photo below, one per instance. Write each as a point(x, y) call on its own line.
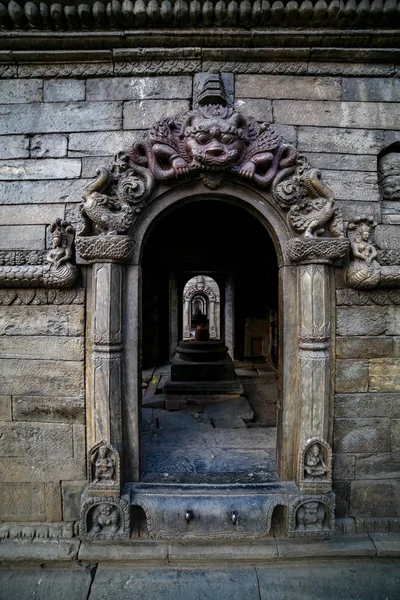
point(224, 265)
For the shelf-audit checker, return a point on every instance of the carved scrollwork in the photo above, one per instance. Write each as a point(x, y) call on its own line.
point(57, 270)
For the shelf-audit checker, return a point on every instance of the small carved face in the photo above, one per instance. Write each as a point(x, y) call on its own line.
point(213, 144)
point(315, 450)
point(103, 451)
point(311, 508)
point(389, 176)
point(105, 509)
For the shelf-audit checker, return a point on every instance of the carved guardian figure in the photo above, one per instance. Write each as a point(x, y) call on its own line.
point(363, 271)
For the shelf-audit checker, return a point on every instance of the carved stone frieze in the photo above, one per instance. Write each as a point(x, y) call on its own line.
point(104, 477)
point(57, 270)
point(41, 296)
point(349, 297)
point(315, 467)
point(13, 258)
point(39, 531)
point(312, 516)
point(364, 270)
point(113, 247)
point(317, 250)
point(105, 518)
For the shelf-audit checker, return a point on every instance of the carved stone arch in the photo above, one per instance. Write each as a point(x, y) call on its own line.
point(192, 291)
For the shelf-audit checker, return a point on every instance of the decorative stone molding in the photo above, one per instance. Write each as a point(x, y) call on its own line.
point(114, 247)
point(363, 270)
point(36, 531)
point(348, 297)
point(105, 518)
point(104, 475)
point(57, 272)
point(41, 296)
point(312, 516)
point(315, 475)
point(318, 250)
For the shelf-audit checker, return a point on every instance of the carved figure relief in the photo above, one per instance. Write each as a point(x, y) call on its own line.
point(104, 518)
point(312, 516)
point(389, 173)
point(104, 471)
point(57, 271)
point(315, 467)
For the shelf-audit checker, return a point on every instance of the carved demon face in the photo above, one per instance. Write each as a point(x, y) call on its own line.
point(213, 138)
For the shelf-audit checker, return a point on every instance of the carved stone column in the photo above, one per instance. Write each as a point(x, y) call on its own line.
point(212, 319)
point(186, 319)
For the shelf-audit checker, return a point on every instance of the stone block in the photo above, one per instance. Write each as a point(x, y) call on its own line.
point(22, 502)
point(365, 347)
point(342, 492)
point(33, 192)
point(343, 467)
point(346, 141)
point(229, 423)
point(378, 466)
point(142, 550)
point(13, 91)
point(286, 86)
point(64, 90)
point(47, 320)
point(393, 321)
point(48, 409)
point(367, 405)
point(32, 214)
point(333, 547)
point(27, 237)
point(359, 115)
point(361, 320)
point(41, 377)
point(287, 132)
point(50, 145)
point(141, 114)
point(79, 438)
point(353, 185)
point(52, 501)
point(48, 168)
point(395, 435)
point(36, 440)
point(90, 165)
point(351, 376)
point(41, 469)
point(342, 162)
point(387, 236)
point(100, 143)
point(239, 408)
point(353, 209)
point(41, 347)
point(71, 499)
point(60, 116)
point(361, 435)
point(14, 146)
point(255, 551)
point(384, 375)
point(5, 408)
point(258, 108)
point(375, 499)
point(371, 89)
point(63, 584)
point(387, 544)
point(139, 88)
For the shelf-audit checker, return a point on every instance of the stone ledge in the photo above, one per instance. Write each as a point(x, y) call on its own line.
point(39, 551)
point(123, 552)
point(387, 544)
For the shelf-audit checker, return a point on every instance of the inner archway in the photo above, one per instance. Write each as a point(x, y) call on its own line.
point(211, 439)
point(201, 304)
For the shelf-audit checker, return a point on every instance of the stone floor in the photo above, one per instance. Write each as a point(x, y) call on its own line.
point(211, 439)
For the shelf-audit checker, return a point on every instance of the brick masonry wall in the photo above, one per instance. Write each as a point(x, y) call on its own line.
point(54, 133)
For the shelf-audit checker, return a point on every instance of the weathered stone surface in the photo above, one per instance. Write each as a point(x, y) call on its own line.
point(371, 89)
point(22, 501)
point(229, 423)
point(342, 493)
point(38, 377)
point(14, 146)
point(287, 133)
point(238, 407)
point(286, 86)
point(257, 108)
point(27, 237)
point(378, 466)
point(36, 440)
point(365, 347)
point(5, 408)
point(255, 551)
point(353, 209)
point(100, 143)
point(50, 145)
point(384, 375)
point(360, 115)
point(342, 162)
point(141, 114)
point(48, 168)
point(64, 90)
point(386, 544)
point(14, 91)
point(361, 435)
point(71, 499)
point(41, 408)
point(139, 88)
point(33, 192)
point(52, 501)
point(331, 547)
point(48, 320)
point(343, 466)
point(32, 214)
point(44, 470)
point(63, 584)
point(60, 116)
point(351, 376)
point(387, 236)
point(353, 185)
point(352, 141)
point(367, 405)
point(395, 435)
point(90, 165)
point(181, 420)
point(79, 440)
point(142, 550)
point(361, 320)
point(52, 348)
point(393, 322)
point(375, 499)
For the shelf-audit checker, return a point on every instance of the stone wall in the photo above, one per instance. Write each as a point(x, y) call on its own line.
point(54, 134)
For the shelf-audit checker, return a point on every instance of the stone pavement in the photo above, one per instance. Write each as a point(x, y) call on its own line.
point(359, 567)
